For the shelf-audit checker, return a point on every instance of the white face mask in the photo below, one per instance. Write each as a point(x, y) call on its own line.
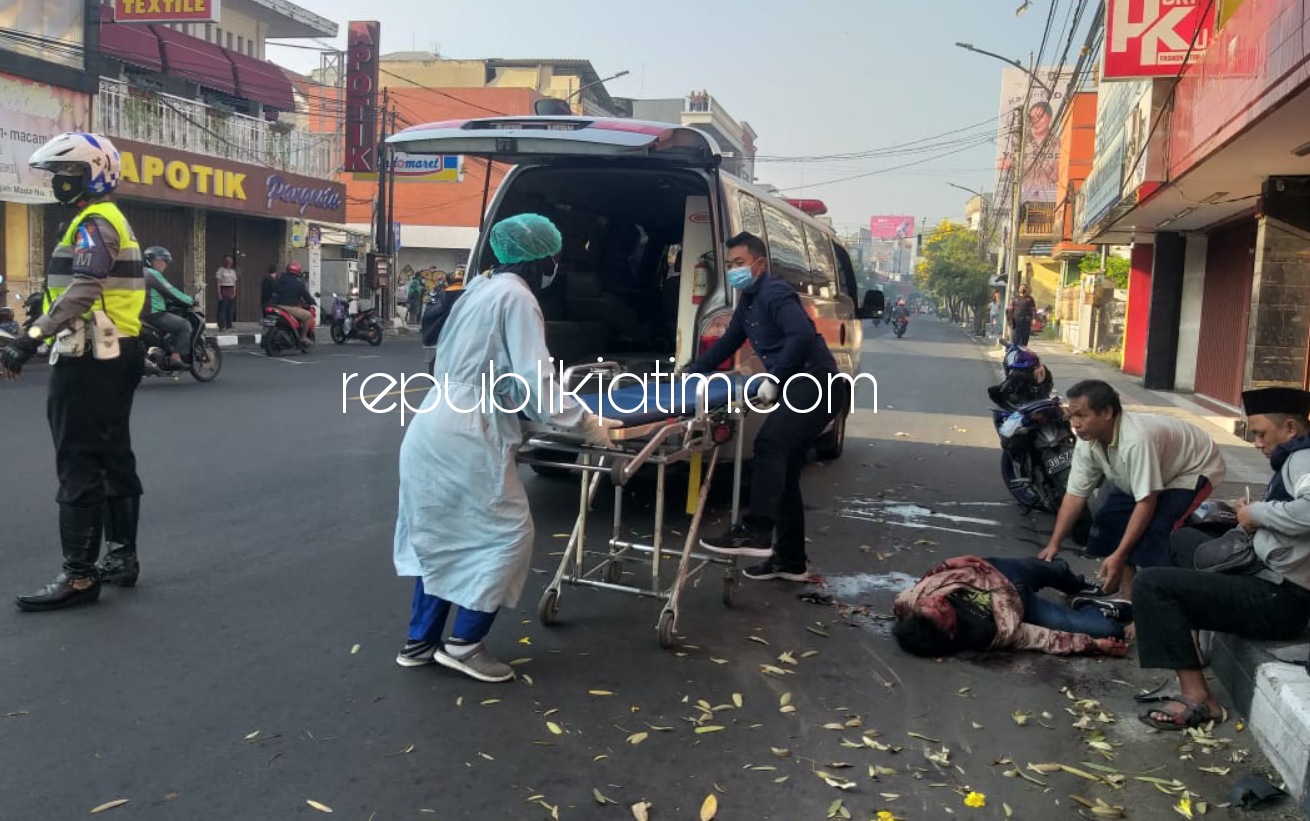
point(547, 280)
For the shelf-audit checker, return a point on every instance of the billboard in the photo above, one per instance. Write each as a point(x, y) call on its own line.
point(30, 114)
point(361, 97)
point(1041, 144)
point(1151, 38)
point(891, 228)
point(166, 11)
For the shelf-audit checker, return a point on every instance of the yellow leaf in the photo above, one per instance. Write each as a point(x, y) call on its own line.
point(320, 807)
point(1021, 718)
point(809, 654)
point(718, 661)
point(554, 728)
point(518, 662)
point(117, 802)
point(637, 738)
point(790, 708)
point(737, 699)
point(1184, 807)
point(709, 807)
point(641, 811)
point(709, 728)
point(525, 640)
point(833, 725)
point(1009, 813)
point(354, 650)
point(486, 702)
point(758, 640)
point(787, 658)
point(923, 738)
point(601, 798)
point(527, 679)
point(784, 699)
point(484, 755)
point(252, 735)
point(977, 726)
point(600, 692)
point(459, 702)
point(600, 757)
point(780, 752)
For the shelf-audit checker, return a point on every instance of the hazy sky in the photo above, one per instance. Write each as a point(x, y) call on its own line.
point(813, 78)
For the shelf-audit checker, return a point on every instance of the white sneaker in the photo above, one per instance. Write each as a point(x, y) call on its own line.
point(478, 664)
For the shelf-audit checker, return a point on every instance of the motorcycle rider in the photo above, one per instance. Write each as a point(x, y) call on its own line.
point(162, 293)
point(96, 266)
point(291, 294)
point(901, 313)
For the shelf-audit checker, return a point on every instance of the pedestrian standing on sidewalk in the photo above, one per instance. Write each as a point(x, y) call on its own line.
point(226, 279)
point(464, 528)
point(769, 314)
point(96, 266)
point(1159, 469)
point(1268, 601)
point(1021, 313)
point(972, 604)
point(415, 300)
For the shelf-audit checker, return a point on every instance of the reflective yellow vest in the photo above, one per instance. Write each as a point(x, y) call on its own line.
point(124, 288)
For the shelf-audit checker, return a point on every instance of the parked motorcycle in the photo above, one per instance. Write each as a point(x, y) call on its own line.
point(33, 307)
point(349, 322)
point(203, 359)
point(281, 330)
point(1036, 439)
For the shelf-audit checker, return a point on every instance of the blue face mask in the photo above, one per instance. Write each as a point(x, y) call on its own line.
point(740, 278)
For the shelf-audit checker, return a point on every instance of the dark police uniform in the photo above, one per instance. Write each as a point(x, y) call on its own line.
point(770, 315)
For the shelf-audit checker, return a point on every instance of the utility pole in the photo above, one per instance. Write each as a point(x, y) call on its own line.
point(382, 230)
point(1012, 281)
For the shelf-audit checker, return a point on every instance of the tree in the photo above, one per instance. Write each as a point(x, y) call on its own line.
point(1116, 268)
point(953, 266)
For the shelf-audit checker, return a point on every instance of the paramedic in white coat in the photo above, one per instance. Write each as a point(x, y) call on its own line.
point(463, 528)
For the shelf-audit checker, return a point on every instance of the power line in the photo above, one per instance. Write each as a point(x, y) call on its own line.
point(886, 170)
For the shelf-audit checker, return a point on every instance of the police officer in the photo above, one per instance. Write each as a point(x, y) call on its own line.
point(96, 265)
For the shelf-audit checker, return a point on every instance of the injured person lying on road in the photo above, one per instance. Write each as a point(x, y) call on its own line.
point(968, 603)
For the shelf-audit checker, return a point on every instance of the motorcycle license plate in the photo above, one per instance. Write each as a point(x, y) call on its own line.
point(268, 322)
point(1055, 464)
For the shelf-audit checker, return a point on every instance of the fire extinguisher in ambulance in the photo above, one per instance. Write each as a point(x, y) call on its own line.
point(700, 279)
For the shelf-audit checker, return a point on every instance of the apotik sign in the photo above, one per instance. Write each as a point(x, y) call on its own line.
point(166, 11)
point(362, 98)
point(1152, 38)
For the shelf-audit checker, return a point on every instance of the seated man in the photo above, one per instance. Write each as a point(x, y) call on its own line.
point(968, 603)
point(1271, 602)
point(1160, 468)
point(162, 293)
point(292, 295)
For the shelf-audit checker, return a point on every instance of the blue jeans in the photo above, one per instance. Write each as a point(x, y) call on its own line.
point(1030, 575)
point(429, 620)
point(1152, 550)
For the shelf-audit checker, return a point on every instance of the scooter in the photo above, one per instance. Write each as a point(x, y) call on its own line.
point(281, 330)
point(203, 359)
point(349, 322)
point(1036, 452)
point(900, 323)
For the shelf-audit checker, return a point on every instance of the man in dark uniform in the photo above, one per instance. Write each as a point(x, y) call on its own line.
point(292, 295)
point(769, 314)
point(96, 265)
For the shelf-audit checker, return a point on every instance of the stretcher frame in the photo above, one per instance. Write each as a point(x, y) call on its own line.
point(660, 443)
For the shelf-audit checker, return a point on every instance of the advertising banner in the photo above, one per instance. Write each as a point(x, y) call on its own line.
point(362, 97)
point(1041, 144)
point(1151, 38)
point(166, 11)
point(890, 228)
point(30, 114)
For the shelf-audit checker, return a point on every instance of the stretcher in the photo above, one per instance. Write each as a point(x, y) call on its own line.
point(661, 424)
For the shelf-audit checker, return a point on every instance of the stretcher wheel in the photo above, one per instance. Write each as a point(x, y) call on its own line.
point(548, 607)
point(614, 571)
point(667, 639)
point(730, 585)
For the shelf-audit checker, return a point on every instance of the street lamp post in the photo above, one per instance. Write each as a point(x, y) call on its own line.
point(1012, 280)
point(623, 73)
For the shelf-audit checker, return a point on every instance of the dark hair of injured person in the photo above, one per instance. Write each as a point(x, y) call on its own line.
point(1099, 395)
point(918, 635)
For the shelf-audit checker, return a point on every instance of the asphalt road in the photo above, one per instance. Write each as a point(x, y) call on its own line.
point(251, 671)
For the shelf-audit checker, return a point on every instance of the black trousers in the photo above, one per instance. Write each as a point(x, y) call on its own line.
point(1022, 330)
point(89, 407)
point(227, 311)
point(781, 447)
point(1170, 602)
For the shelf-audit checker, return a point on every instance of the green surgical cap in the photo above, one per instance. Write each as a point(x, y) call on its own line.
point(525, 237)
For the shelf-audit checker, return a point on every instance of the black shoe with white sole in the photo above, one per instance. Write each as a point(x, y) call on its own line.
point(416, 653)
point(741, 540)
point(1119, 611)
point(772, 570)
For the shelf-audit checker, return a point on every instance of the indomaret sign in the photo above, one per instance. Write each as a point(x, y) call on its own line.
point(362, 98)
point(1152, 38)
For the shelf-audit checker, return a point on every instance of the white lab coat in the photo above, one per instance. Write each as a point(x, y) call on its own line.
point(463, 524)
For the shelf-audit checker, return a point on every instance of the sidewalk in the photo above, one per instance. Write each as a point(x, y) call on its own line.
point(1266, 681)
point(248, 333)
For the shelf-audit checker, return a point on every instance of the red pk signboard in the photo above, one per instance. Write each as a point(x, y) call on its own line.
point(1151, 38)
point(166, 11)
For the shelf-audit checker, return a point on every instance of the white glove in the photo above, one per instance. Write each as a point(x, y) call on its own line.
point(596, 430)
point(767, 393)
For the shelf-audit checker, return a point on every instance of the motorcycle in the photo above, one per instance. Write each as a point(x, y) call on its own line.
point(33, 307)
point(349, 322)
point(1036, 452)
point(900, 323)
point(281, 331)
point(203, 359)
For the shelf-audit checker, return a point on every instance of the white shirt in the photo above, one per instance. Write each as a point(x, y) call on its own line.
point(1149, 453)
point(225, 277)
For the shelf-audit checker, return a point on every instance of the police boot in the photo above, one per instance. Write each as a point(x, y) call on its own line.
point(119, 566)
point(79, 532)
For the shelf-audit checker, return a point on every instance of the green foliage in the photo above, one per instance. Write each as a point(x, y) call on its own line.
point(1116, 268)
point(952, 265)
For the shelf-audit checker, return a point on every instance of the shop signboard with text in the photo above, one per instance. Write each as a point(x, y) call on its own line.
point(362, 97)
point(1153, 38)
point(157, 173)
point(166, 11)
point(30, 114)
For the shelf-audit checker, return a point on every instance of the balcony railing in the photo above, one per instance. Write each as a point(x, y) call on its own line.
point(186, 125)
point(1038, 220)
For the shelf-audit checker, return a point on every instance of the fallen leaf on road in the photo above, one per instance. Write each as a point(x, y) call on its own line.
point(836, 810)
point(517, 662)
point(252, 735)
point(709, 728)
point(525, 640)
point(923, 738)
point(790, 708)
point(601, 798)
point(1021, 718)
point(780, 752)
point(637, 738)
point(774, 671)
point(554, 728)
point(902, 434)
point(977, 726)
point(758, 640)
point(709, 807)
point(941, 758)
point(641, 811)
point(486, 702)
point(354, 650)
point(320, 807)
point(787, 658)
point(109, 805)
point(600, 692)
point(718, 661)
point(809, 654)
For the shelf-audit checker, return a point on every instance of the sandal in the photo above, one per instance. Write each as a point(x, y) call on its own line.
point(1195, 714)
point(1154, 695)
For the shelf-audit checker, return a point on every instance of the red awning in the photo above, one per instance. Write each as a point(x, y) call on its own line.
point(195, 59)
point(133, 44)
point(261, 81)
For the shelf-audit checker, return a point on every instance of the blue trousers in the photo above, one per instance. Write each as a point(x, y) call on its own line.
point(429, 620)
point(1152, 550)
point(1030, 575)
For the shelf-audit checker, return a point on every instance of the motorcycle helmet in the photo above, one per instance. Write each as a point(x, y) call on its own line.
point(1019, 358)
point(157, 252)
point(293, 268)
point(85, 165)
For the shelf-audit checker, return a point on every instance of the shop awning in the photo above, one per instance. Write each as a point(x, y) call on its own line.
point(195, 59)
point(133, 44)
point(261, 81)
